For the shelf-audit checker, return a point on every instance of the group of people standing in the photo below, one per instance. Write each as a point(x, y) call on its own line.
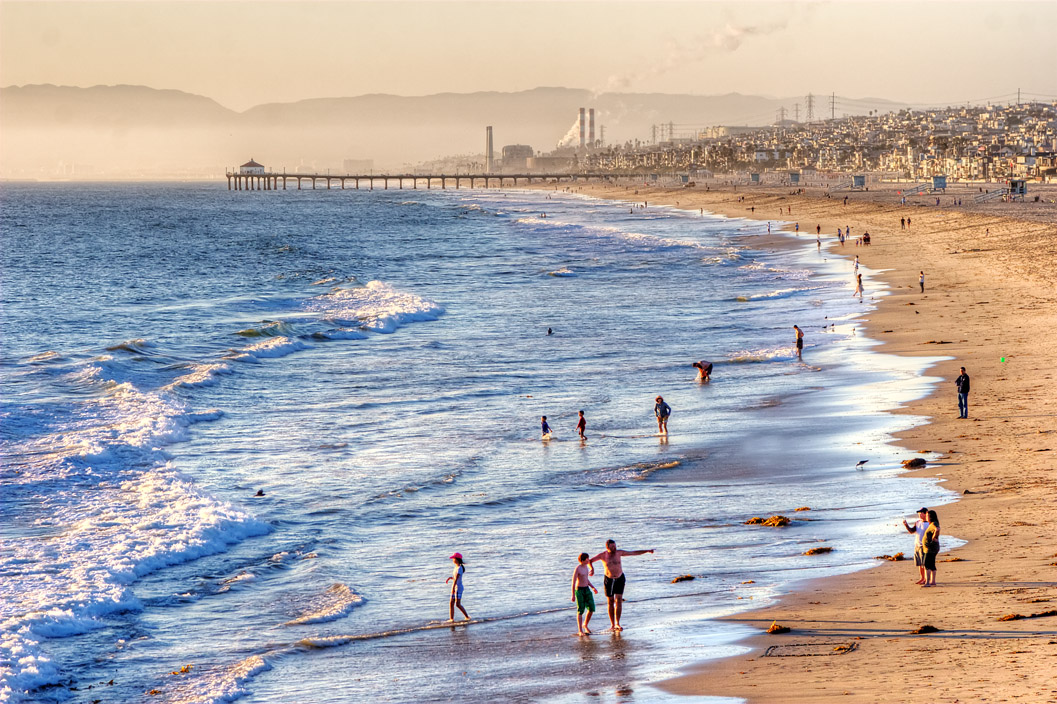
point(661, 410)
point(926, 530)
point(613, 583)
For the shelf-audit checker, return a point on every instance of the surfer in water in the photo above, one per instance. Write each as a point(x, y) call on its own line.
point(704, 370)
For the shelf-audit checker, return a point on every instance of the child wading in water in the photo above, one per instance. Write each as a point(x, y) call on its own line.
point(456, 588)
point(582, 589)
point(545, 428)
point(581, 426)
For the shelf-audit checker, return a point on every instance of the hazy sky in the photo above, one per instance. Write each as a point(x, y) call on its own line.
point(250, 52)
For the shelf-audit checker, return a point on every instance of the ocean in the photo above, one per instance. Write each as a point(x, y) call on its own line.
point(242, 432)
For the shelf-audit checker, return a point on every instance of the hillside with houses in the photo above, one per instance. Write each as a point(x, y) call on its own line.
point(967, 143)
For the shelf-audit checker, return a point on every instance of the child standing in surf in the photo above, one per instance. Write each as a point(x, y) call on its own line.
point(585, 602)
point(581, 426)
point(545, 428)
point(456, 588)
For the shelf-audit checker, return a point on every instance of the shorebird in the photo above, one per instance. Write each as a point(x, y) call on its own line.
point(860, 463)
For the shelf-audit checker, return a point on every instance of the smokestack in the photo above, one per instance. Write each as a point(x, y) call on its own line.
point(489, 154)
point(582, 128)
point(591, 127)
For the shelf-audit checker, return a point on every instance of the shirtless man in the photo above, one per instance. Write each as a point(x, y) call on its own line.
point(614, 579)
point(704, 370)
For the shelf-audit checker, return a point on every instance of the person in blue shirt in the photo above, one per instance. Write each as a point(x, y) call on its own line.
point(545, 428)
point(662, 410)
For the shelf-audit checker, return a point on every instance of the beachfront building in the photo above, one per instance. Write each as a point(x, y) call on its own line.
point(964, 143)
point(251, 168)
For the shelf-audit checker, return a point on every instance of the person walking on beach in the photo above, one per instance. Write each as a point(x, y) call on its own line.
point(799, 342)
point(582, 588)
point(918, 529)
point(902, 223)
point(962, 382)
point(614, 579)
point(818, 230)
point(581, 426)
point(704, 370)
point(930, 540)
point(662, 410)
point(921, 281)
point(456, 588)
point(858, 287)
point(856, 263)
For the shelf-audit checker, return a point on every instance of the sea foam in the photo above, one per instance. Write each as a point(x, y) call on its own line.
point(110, 508)
point(377, 307)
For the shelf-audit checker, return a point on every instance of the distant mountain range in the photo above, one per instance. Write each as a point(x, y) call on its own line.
point(129, 131)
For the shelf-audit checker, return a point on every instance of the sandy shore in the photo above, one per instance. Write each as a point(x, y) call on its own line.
point(990, 293)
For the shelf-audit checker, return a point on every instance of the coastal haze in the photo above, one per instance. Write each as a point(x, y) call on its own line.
point(254, 413)
point(187, 90)
point(135, 131)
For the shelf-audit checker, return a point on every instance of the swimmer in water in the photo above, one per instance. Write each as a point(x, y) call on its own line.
point(704, 370)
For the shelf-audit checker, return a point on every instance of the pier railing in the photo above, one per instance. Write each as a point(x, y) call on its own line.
point(267, 181)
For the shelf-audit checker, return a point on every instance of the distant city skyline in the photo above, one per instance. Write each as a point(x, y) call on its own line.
point(247, 53)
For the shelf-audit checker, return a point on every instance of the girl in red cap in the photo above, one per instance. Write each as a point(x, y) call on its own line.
point(456, 587)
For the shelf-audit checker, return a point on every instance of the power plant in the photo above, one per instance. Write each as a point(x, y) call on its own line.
point(519, 158)
point(489, 153)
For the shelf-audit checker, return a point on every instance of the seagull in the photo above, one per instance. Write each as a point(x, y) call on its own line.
point(860, 463)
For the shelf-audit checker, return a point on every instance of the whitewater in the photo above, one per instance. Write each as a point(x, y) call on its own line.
point(240, 434)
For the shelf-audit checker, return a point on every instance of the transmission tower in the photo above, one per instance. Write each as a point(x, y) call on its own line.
point(671, 131)
point(602, 135)
point(796, 112)
point(781, 115)
point(810, 107)
point(832, 106)
point(654, 127)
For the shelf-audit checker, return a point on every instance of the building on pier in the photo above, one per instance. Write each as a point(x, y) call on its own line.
point(251, 168)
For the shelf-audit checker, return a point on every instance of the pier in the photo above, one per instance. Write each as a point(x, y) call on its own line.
point(267, 181)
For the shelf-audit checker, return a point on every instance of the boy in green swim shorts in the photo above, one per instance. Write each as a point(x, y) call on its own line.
point(582, 589)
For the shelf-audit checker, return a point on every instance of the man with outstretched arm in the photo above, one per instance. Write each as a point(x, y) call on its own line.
point(614, 579)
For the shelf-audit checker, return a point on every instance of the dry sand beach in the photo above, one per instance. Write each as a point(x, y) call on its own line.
point(991, 293)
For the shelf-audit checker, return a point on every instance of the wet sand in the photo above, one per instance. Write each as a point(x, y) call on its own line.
point(990, 303)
